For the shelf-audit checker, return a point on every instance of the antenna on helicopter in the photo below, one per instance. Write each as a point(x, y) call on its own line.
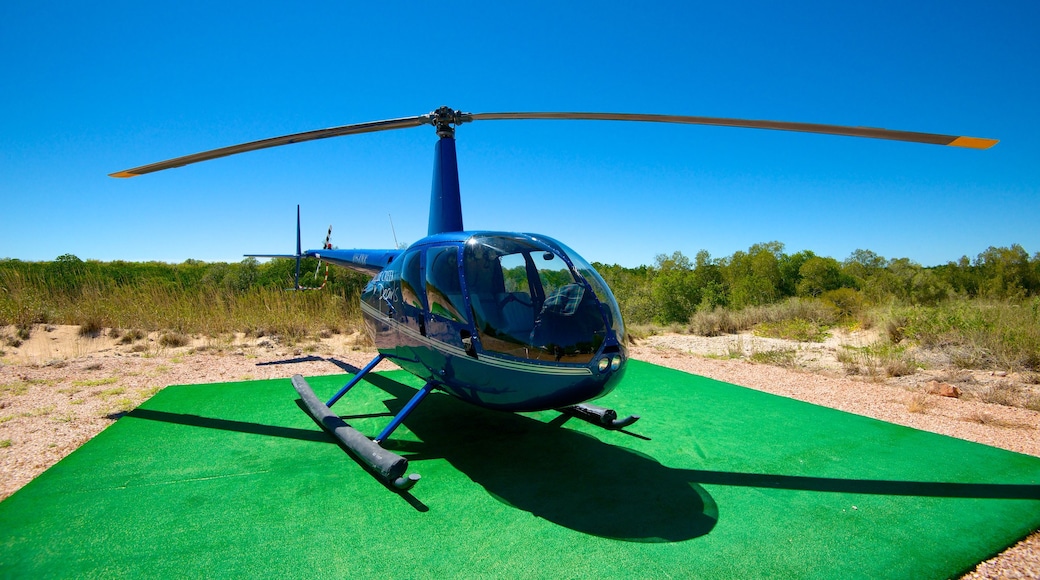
point(393, 231)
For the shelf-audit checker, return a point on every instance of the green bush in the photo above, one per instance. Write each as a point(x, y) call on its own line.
point(846, 302)
point(797, 329)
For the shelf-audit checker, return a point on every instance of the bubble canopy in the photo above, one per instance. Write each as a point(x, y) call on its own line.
point(535, 298)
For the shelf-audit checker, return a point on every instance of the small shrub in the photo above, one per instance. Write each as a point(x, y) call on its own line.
point(24, 331)
point(1032, 402)
point(849, 357)
point(900, 367)
point(174, 339)
point(865, 320)
point(715, 322)
point(920, 403)
point(4, 443)
point(984, 418)
point(640, 331)
point(781, 357)
point(91, 328)
point(896, 330)
point(1002, 393)
point(798, 329)
point(131, 336)
point(735, 349)
point(876, 360)
point(846, 302)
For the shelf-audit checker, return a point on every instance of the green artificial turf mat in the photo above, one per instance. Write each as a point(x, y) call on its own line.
point(234, 479)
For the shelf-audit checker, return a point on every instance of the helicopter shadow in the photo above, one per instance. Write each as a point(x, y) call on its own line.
point(292, 361)
point(563, 476)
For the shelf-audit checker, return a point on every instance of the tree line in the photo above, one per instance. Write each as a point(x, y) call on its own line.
point(675, 287)
point(68, 274)
point(669, 291)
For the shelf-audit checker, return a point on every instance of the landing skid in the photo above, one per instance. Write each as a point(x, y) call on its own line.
point(387, 465)
point(599, 416)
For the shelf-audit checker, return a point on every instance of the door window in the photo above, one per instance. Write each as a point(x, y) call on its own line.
point(443, 289)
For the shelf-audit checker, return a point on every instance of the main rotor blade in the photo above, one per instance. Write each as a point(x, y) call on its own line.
point(870, 132)
point(355, 129)
point(445, 117)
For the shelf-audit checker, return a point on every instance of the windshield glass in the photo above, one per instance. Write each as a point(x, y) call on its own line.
point(600, 287)
point(528, 303)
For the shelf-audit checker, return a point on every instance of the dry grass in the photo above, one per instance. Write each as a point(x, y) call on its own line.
point(984, 418)
point(920, 403)
point(1004, 393)
point(881, 359)
point(151, 305)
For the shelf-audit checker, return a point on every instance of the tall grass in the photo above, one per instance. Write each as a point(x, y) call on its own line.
point(794, 318)
point(974, 333)
point(158, 305)
point(981, 334)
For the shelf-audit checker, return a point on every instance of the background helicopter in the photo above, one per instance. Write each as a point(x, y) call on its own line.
point(503, 320)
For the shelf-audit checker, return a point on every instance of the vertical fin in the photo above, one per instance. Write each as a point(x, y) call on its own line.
point(296, 276)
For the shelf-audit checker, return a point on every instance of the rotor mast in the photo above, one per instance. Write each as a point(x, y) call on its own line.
point(445, 197)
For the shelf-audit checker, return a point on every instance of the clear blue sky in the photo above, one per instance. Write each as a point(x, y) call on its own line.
point(90, 88)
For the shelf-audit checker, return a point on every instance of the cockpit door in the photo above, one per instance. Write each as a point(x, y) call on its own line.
point(447, 317)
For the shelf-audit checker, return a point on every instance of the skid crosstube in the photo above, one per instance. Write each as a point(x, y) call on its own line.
point(389, 466)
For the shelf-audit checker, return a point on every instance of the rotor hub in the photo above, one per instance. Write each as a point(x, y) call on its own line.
point(445, 119)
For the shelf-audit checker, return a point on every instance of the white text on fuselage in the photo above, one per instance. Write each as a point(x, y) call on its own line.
point(385, 276)
point(382, 285)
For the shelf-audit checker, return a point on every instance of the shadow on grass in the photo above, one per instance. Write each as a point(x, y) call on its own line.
point(566, 477)
point(229, 425)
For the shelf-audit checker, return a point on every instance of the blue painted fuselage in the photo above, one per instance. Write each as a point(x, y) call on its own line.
point(507, 321)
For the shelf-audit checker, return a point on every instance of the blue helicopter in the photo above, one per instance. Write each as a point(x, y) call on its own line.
point(503, 320)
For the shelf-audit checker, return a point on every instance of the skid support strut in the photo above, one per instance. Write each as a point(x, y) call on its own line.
point(387, 465)
point(355, 380)
point(408, 408)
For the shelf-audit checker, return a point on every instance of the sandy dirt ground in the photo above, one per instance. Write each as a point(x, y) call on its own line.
point(58, 389)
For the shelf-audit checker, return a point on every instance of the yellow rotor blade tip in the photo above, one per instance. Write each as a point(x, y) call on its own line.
point(973, 142)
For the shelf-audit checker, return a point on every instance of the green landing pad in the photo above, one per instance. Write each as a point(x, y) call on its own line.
point(716, 481)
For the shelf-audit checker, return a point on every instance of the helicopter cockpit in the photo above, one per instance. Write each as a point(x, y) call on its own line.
point(534, 298)
point(519, 295)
